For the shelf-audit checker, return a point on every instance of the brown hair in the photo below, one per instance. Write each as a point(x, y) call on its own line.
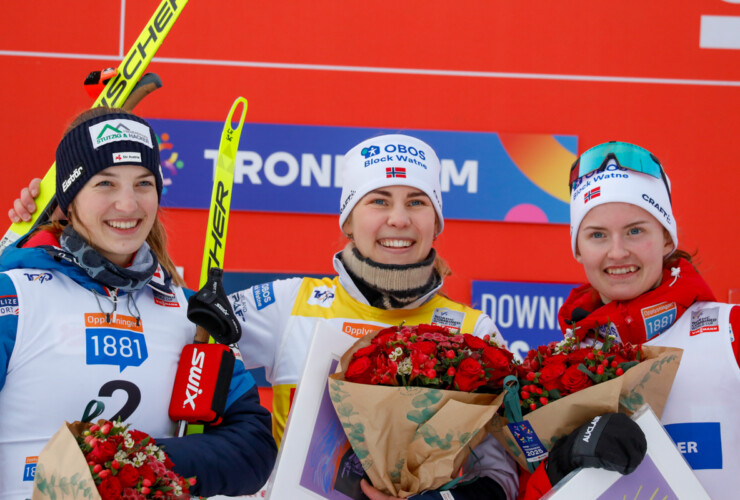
point(157, 237)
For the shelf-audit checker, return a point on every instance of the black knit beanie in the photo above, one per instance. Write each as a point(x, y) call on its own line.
point(102, 142)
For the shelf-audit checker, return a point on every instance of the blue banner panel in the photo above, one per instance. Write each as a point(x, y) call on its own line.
point(297, 168)
point(525, 313)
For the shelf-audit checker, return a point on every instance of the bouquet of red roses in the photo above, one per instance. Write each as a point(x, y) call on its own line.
point(414, 400)
point(555, 370)
point(560, 386)
point(115, 462)
point(431, 356)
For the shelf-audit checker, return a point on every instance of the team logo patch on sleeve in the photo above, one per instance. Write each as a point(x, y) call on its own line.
point(699, 442)
point(120, 343)
point(658, 317)
point(447, 317)
point(322, 296)
point(9, 305)
point(264, 295)
point(704, 320)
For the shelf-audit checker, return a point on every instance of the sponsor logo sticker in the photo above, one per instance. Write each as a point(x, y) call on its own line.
point(29, 471)
point(73, 176)
point(120, 343)
point(264, 295)
point(447, 317)
point(704, 320)
point(125, 157)
point(239, 304)
point(119, 130)
point(359, 330)
point(322, 296)
point(39, 277)
point(658, 318)
point(164, 300)
point(700, 443)
point(9, 305)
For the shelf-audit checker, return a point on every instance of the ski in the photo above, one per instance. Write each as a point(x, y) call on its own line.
point(114, 94)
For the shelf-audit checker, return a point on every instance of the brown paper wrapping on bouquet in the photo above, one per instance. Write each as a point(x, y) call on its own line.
point(647, 382)
point(409, 439)
point(62, 471)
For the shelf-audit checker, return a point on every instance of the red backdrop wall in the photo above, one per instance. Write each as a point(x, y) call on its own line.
point(631, 70)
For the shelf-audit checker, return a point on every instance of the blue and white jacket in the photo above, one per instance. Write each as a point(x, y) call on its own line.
point(63, 353)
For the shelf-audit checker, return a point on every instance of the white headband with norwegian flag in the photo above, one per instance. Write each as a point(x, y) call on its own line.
point(619, 184)
point(390, 160)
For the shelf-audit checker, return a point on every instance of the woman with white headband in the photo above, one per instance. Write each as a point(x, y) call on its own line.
point(644, 290)
point(389, 272)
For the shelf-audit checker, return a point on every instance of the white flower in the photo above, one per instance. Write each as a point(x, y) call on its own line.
point(177, 490)
point(398, 351)
point(392, 356)
point(405, 366)
point(121, 456)
point(139, 459)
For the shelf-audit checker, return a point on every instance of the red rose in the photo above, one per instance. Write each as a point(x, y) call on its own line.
point(103, 452)
point(365, 351)
point(110, 488)
point(550, 375)
point(425, 347)
point(557, 358)
point(138, 436)
point(146, 473)
point(474, 342)
point(360, 370)
point(574, 380)
point(128, 476)
point(384, 336)
point(469, 375)
point(578, 355)
point(498, 360)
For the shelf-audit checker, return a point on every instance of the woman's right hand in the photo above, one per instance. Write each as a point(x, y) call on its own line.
point(25, 205)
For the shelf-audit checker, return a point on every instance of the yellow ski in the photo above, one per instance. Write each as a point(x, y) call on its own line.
point(223, 180)
point(113, 95)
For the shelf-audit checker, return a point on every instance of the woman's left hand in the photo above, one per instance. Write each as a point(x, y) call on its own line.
point(373, 493)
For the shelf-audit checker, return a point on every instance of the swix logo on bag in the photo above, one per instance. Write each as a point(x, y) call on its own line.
point(202, 383)
point(192, 389)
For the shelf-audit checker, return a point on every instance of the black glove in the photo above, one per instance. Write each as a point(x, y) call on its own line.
point(211, 309)
point(612, 441)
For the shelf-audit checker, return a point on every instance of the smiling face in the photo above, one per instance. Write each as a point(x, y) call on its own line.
point(115, 211)
point(393, 225)
point(622, 247)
